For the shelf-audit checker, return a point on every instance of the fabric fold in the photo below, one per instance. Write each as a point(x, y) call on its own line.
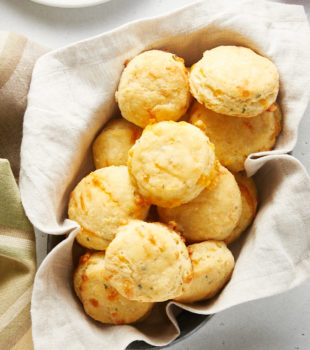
point(70, 99)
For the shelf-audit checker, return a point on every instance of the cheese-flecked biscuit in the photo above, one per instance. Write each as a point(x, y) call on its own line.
point(101, 202)
point(211, 215)
point(249, 205)
point(111, 146)
point(213, 264)
point(148, 262)
point(171, 163)
point(235, 138)
point(153, 87)
point(234, 80)
point(100, 300)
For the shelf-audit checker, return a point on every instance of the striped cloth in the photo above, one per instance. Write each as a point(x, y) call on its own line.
point(17, 240)
point(17, 57)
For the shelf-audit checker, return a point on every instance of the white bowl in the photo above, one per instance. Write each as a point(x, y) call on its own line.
point(70, 3)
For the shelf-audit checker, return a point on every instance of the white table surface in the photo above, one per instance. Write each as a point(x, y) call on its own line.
point(277, 323)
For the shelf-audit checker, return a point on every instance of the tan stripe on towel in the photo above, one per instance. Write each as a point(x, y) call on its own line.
point(25, 343)
point(13, 242)
point(10, 56)
point(15, 331)
point(17, 233)
point(15, 309)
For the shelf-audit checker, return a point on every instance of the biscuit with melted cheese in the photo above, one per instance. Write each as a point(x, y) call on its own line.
point(148, 262)
point(234, 80)
point(213, 264)
point(234, 138)
point(211, 215)
point(171, 163)
point(249, 205)
point(101, 202)
point(111, 146)
point(100, 300)
point(153, 87)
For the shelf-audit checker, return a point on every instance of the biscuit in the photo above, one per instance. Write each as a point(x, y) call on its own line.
point(100, 300)
point(148, 262)
point(111, 146)
point(235, 138)
point(171, 163)
point(249, 205)
point(213, 264)
point(153, 87)
point(211, 215)
point(101, 202)
point(234, 80)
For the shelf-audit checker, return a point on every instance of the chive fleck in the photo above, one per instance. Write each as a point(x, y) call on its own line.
point(139, 285)
point(87, 238)
point(244, 109)
point(258, 95)
point(105, 286)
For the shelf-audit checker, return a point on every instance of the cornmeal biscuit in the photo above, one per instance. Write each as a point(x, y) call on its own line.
point(148, 262)
point(153, 87)
point(211, 215)
point(235, 138)
point(101, 202)
point(100, 300)
point(111, 146)
point(234, 80)
point(213, 264)
point(171, 163)
point(249, 205)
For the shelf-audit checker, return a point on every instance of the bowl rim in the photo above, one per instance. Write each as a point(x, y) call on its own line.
point(70, 3)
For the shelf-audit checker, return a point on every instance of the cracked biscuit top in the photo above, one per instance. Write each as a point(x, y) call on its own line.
point(211, 215)
point(100, 300)
point(234, 80)
point(148, 262)
point(234, 138)
point(213, 264)
point(101, 202)
point(171, 163)
point(111, 146)
point(153, 87)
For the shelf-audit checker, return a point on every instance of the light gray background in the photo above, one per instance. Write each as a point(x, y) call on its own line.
point(277, 323)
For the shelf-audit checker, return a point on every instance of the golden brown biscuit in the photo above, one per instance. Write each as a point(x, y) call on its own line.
point(234, 80)
point(111, 146)
point(100, 300)
point(171, 163)
point(213, 264)
point(211, 215)
point(153, 87)
point(249, 205)
point(235, 138)
point(148, 262)
point(101, 202)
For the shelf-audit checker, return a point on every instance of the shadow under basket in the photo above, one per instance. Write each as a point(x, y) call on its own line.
point(189, 324)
